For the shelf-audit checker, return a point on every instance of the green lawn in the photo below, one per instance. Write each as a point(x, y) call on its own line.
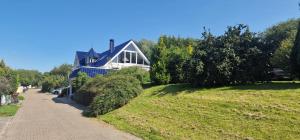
point(8, 110)
point(260, 111)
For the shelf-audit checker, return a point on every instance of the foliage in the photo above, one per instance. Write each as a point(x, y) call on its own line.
point(216, 62)
point(146, 46)
point(178, 60)
point(142, 75)
point(112, 92)
point(8, 110)
point(238, 56)
point(158, 69)
point(5, 87)
point(281, 57)
point(295, 55)
point(56, 78)
point(255, 111)
point(29, 77)
point(21, 97)
point(89, 90)
point(2, 64)
point(280, 32)
point(62, 70)
point(252, 55)
point(8, 80)
point(280, 38)
point(52, 82)
point(79, 81)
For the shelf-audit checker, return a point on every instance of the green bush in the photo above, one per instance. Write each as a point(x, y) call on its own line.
point(9, 80)
point(142, 75)
point(79, 81)
point(110, 92)
point(88, 91)
point(21, 97)
point(53, 81)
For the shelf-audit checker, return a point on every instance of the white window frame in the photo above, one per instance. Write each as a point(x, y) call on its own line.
point(130, 56)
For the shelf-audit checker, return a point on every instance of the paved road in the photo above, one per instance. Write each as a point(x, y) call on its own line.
point(43, 117)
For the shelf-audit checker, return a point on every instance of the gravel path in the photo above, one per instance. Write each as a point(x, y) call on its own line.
point(43, 117)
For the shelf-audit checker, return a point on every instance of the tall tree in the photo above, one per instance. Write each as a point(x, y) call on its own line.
point(8, 80)
point(29, 77)
point(158, 70)
point(62, 70)
point(295, 55)
point(146, 46)
point(57, 77)
point(280, 38)
point(2, 64)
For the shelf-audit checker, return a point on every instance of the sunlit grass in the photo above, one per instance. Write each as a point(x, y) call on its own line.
point(8, 110)
point(259, 111)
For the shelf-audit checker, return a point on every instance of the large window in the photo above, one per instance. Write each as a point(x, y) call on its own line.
point(133, 57)
point(127, 57)
point(130, 57)
point(121, 57)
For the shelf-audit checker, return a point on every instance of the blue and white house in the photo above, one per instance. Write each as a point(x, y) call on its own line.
point(92, 63)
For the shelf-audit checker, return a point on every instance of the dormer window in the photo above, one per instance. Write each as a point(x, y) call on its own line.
point(92, 60)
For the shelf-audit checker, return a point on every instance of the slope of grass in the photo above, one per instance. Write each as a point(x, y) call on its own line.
point(260, 111)
point(8, 110)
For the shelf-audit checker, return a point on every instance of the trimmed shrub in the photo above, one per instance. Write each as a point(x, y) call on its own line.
point(88, 91)
point(79, 81)
point(142, 75)
point(110, 92)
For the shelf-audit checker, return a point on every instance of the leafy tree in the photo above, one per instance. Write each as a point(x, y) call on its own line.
point(212, 64)
point(178, 52)
point(253, 55)
point(236, 57)
point(79, 81)
point(5, 88)
point(29, 77)
point(280, 32)
point(295, 55)
point(8, 80)
point(146, 46)
point(282, 55)
point(158, 70)
point(62, 70)
point(52, 82)
point(2, 64)
point(177, 58)
point(56, 78)
point(280, 39)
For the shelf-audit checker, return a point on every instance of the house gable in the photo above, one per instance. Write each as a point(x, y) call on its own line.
point(130, 47)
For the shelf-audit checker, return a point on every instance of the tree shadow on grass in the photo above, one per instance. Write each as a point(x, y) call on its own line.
point(267, 86)
point(175, 89)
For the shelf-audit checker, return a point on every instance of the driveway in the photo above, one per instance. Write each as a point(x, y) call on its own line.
point(44, 117)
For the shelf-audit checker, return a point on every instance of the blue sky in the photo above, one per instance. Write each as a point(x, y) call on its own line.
point(41, 34)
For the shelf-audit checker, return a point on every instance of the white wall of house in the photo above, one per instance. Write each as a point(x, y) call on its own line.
point(124, 65)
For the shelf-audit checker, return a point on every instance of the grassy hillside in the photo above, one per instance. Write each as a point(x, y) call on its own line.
point(261, 111)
